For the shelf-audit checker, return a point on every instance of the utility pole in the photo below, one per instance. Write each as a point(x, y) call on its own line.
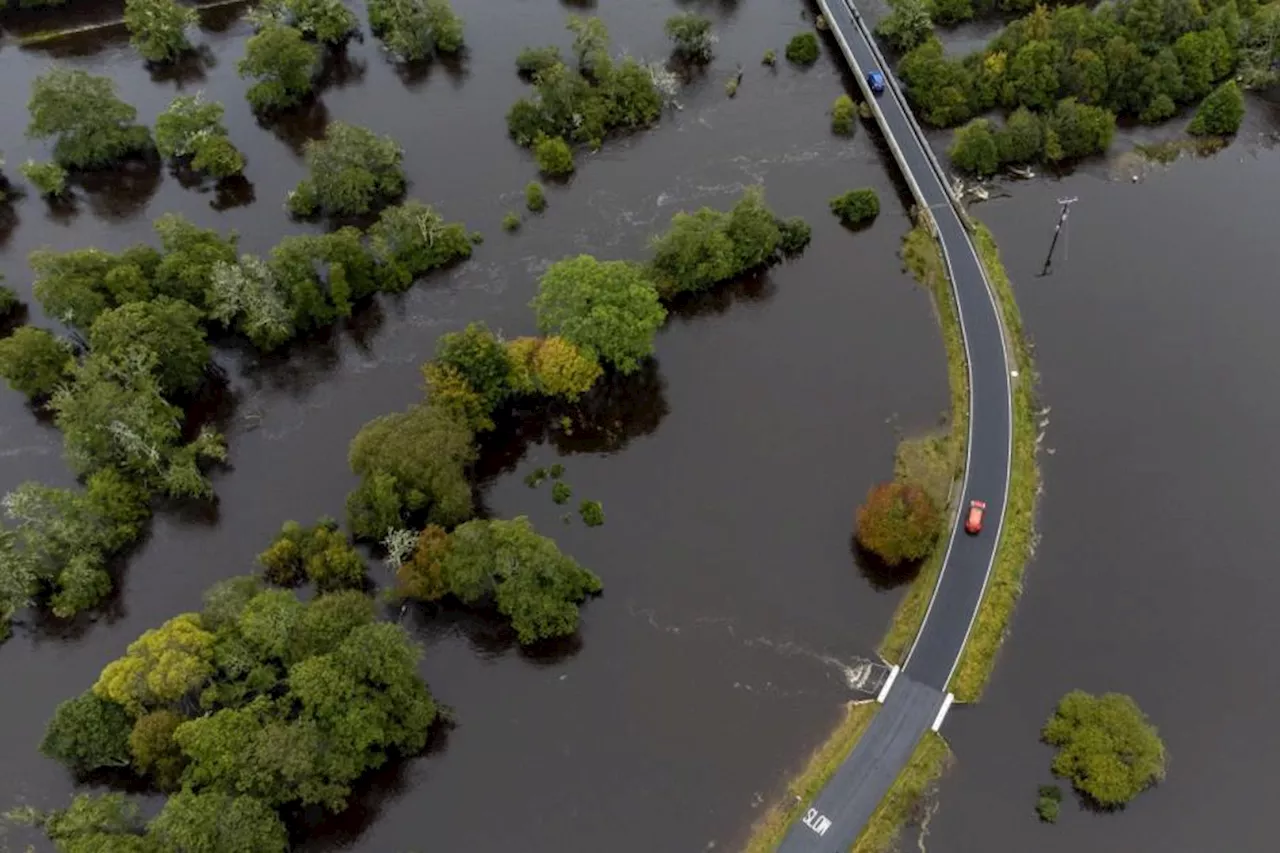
point(1062, 220)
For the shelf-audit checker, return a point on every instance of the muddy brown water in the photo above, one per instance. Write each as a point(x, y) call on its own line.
point(714, 661)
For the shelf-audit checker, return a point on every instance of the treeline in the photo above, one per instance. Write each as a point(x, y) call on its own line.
point(143, 317)
point(259, 703)
point(1073, 70)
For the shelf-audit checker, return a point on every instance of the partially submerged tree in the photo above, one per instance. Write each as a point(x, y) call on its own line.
point(158, 28)
point(803, 49)
point(92, 127)
point(974, 149)
point(856, 206)
point(169, 328)
point(411, 239)
point(49, 178)
point(329, 22)
point(191, 129)
point(1221, 113)
point(843, 114)
point(532, 61)
point(320, 554)
point(88, 733)
point(907, 25)
point(692, 36)
point(1106, 747)
point(553, 156)
point(284, 65)
point(590, 42)
point(34, 362)
point(350, 171)
point(608, 308)
point(414, 30)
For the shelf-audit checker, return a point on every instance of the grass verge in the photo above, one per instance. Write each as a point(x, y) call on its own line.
point(767, 834)
point(1018, 533)
point(932, 462)
point(913, 783)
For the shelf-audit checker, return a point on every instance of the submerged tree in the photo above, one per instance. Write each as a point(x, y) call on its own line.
point(34, 362)
point(49, 178)
point(93, 127)
point(414, 30)
point(350, 171)
point(692, 36)
point(590, 42)
point(1106, 747)
point(907, 24)
point(1221, 113)
point(284, 64)
point(158, 28)
point(973, 148)
point(191, 128)
point(411, 239)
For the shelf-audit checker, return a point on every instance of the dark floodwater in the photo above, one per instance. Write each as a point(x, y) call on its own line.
point(712, 664)
point(1156, 576)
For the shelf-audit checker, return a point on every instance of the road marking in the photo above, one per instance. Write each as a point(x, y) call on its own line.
point(888, 682)
point(817, 822)
point(942, 712)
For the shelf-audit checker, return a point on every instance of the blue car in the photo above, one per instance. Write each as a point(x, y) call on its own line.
point(876, 81)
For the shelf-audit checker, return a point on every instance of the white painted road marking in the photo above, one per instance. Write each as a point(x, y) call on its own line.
point(818, 823)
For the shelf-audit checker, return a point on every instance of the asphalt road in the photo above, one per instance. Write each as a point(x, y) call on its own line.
point(842, 808)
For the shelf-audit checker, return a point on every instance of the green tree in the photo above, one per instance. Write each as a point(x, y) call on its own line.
point(948, 13)
point(1032, 79)
point(842, 116)
point(185, 270)
point(153, 750)
point(158, 28)
point(803, 49)
point(1106, 747)
point(898, 523)
point(1078, 130)
point(284, 66)
point(939, 88)
point(524, 574)
point(350, 171)
point(592, 513)
point(106, 823)
point(411, 239)
point(327, 21)
point(92, 127)
point(249, 296)
point(907, 25)
point(88, 733)
point(413, 30)
point(856, 206)
point(217, 823)
point(49, 178)
point(1021, 139)
point(590, 42)
point(553, 156)
point(34, 362)
point(692, 36)
point(161, 667)
point(608, 308)
point(551, 366)
point(425, 451)
point(191, 128)
point(168, 328)
point(226, 600)
point(1085, 77)
point(480, 358)
point(532, 61)
point(327, 621)
point(973, 148)
point(535, 197)
point(1221, 113)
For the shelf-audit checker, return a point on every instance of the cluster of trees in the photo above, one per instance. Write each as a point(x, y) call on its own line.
point(414, 30)
point(257, 703)
point(191, 131)
point(1069, 131)
point(158, 28)
point(350, 171)
point(328, 22)
point(319, 554)
point(899, 523)
point(1106, 747)
point(1077, 68)
point(503, 563)
point(692, 36)
point(583, 104)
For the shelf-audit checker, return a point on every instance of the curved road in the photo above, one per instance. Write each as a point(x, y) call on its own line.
point(915, 699)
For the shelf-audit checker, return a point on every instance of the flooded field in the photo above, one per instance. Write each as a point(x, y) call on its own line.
point(716, 658)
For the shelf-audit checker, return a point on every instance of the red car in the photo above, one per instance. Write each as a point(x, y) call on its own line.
point(973, 522)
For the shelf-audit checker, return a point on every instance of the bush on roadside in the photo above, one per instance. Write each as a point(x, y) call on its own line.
point(899, 523)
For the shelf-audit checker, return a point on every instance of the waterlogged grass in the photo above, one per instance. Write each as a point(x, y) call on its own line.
point(1016, 537)
point(768, 832)
point(915, 781)
point(932, 462)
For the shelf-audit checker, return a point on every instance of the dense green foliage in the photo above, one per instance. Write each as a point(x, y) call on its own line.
point(284, 65)
point(843, 113)
point(1048, 803)
point(907, 24)
point(592, 513)
point(414, 30)
point(692, 36)
point(191, 129)
point(169, 328)
point(973, 148)
point(608, 308)
point(585, 105)
point(49, 178)
point(321, 554)
point(1078, 68)
point(1106, 747)
point(329, 22)
point(158, 28)
point(702, 249)
point(803, 49)
point(534, 60)
point(506, 564)
point(10, 305)
point(58, 543)
point(260, 703)
point(91, 126)
point(553, 156)
point(411, 239)
point(856, 206)
point(535, 197)
point(898, 523)
point(34, 362)
point(1221, 113)
point(350, 171)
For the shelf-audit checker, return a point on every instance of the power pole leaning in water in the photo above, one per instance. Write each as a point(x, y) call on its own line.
point(1062, 220)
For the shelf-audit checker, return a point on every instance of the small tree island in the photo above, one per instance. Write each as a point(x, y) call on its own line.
point(1106, 747)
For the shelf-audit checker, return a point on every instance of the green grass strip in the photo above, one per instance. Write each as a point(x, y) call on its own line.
point(913, 783)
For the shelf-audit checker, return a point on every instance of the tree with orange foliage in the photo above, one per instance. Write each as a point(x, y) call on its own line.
point(898, 523)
